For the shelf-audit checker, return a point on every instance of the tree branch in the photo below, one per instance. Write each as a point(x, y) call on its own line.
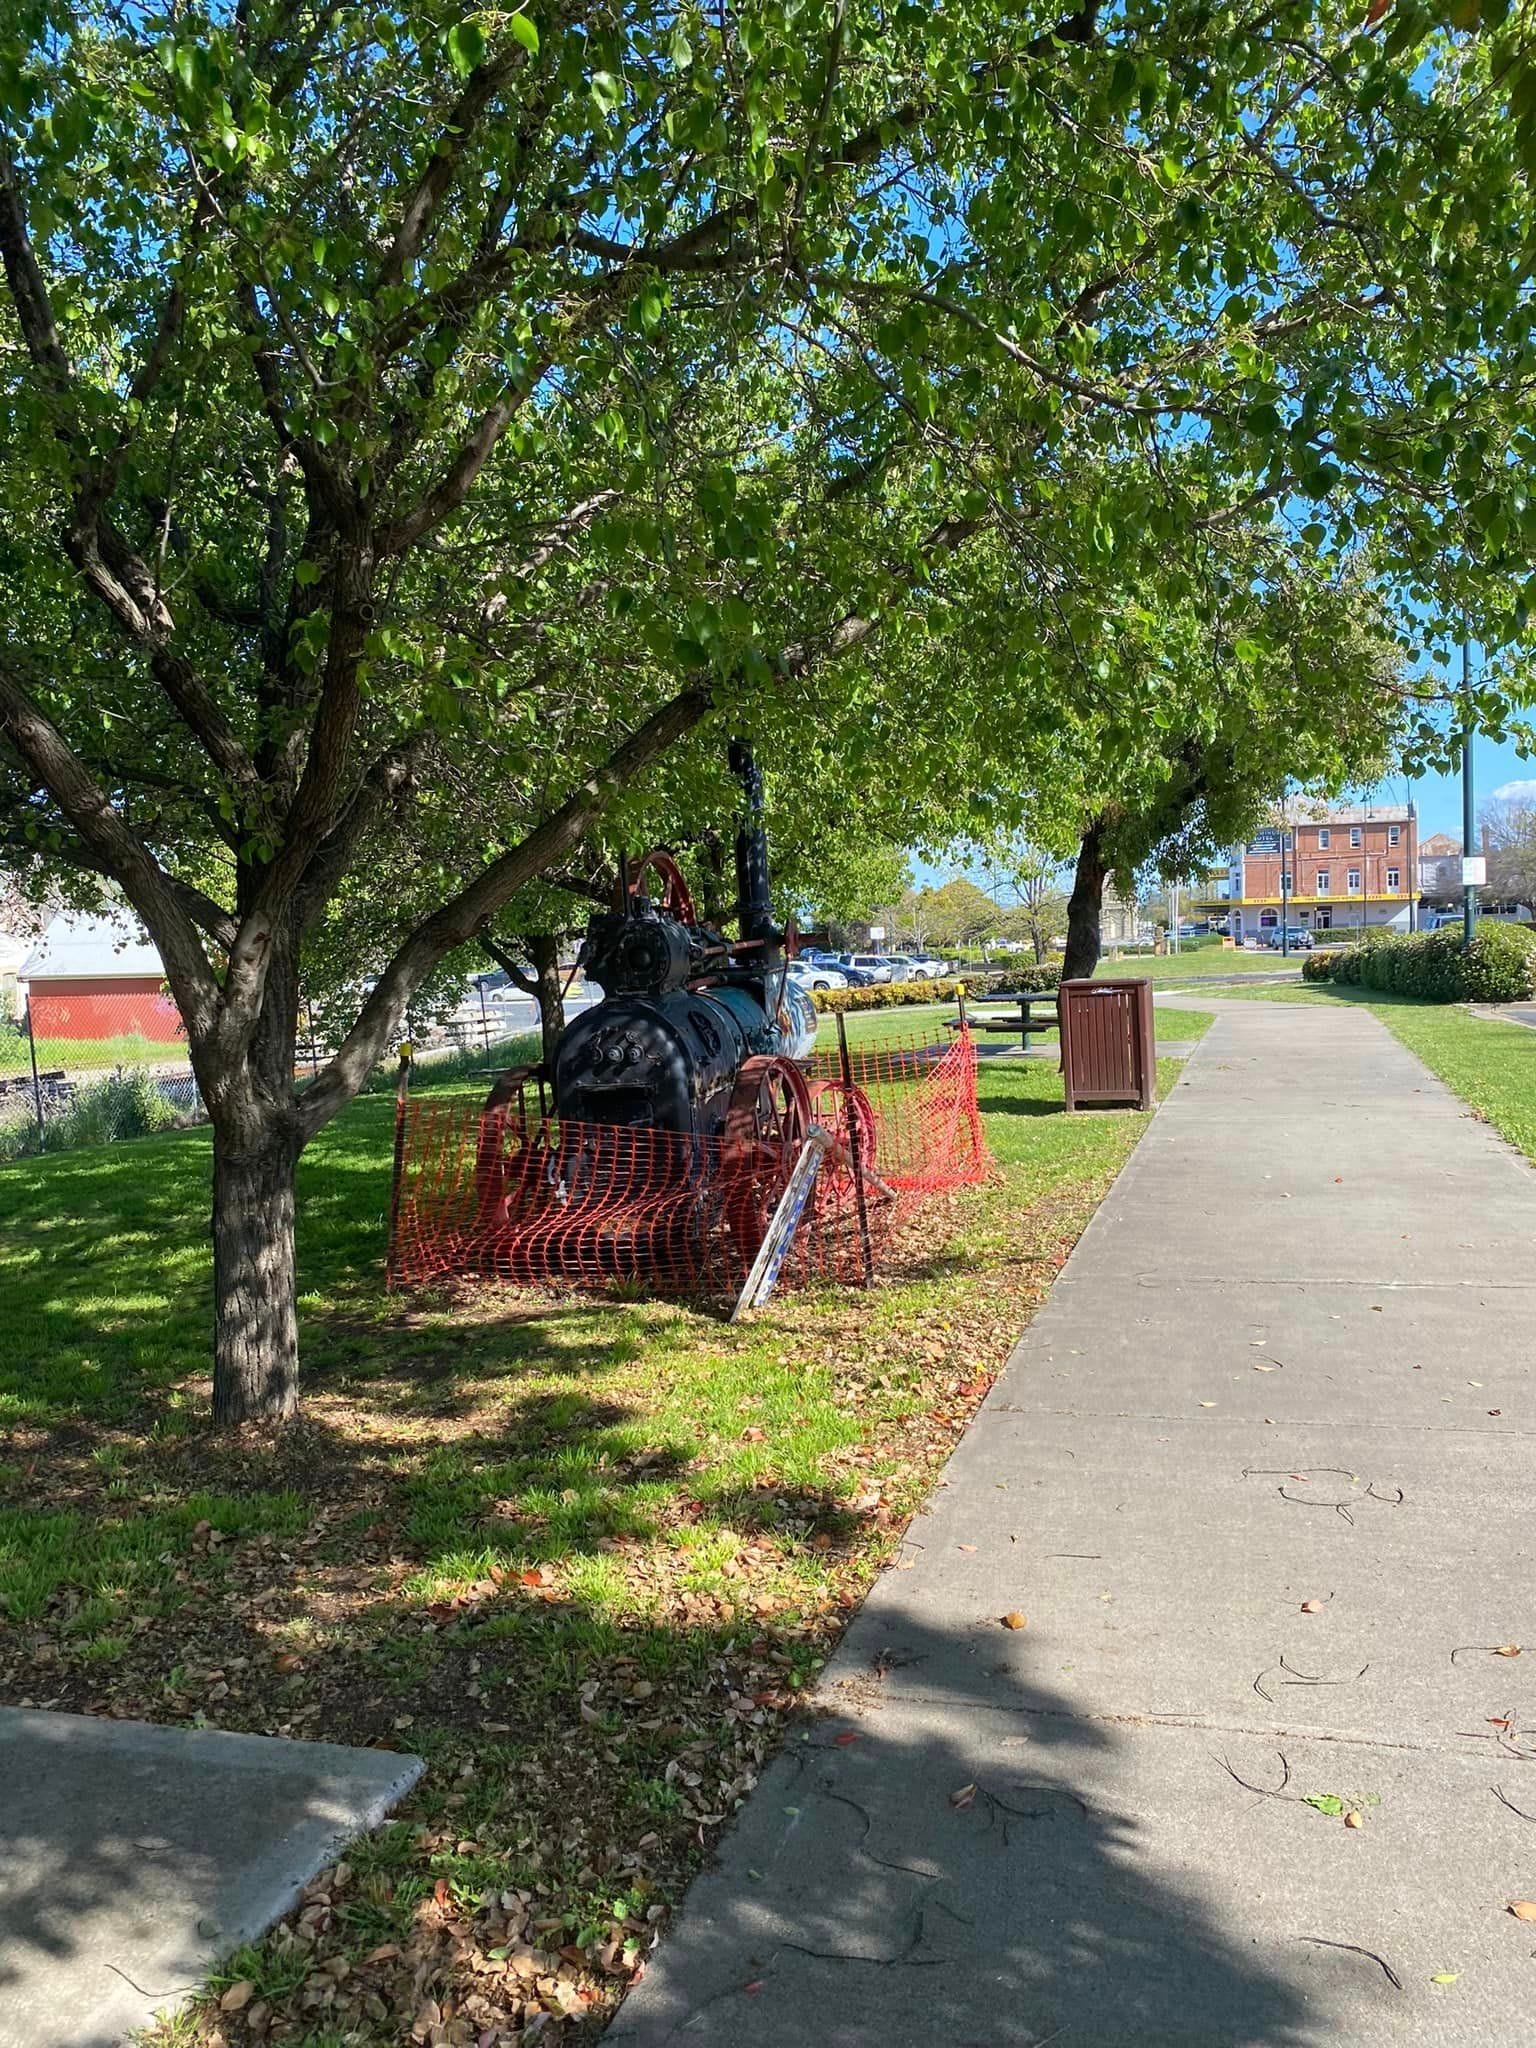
point(458, 921)
point(448, 146)
point(449, 493)
point(105, 834)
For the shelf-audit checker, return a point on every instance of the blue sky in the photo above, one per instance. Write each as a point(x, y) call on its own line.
point(1494, 768)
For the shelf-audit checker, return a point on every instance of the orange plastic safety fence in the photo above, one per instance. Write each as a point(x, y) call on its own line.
point(506, 1193)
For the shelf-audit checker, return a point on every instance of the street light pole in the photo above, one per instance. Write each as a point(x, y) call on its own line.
point(1468, 817)
point(1285, 884)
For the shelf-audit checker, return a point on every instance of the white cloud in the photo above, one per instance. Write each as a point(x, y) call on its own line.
point(1515, 793)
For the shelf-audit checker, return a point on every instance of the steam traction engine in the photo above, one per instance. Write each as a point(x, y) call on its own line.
point(682, 1098)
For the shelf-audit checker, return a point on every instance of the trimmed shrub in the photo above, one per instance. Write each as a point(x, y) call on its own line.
point(1438, 967)
point(130, 1104)
point(892, 995)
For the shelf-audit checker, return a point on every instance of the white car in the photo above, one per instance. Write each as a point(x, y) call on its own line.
point(925, 968)
point(812, 974)
point(876, 965)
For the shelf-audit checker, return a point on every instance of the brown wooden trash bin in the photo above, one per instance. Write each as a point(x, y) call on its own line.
point(1108, 1048)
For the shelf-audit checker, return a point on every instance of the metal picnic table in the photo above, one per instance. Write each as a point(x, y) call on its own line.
point(1032, 1010)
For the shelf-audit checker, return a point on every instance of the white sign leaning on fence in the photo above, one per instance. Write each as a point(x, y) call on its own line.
point(785, 1222)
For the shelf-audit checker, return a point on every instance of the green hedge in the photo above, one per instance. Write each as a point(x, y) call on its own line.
point(891, 995)
point(1498, 967)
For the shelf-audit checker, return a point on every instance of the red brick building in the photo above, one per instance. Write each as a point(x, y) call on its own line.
point(1345, 867)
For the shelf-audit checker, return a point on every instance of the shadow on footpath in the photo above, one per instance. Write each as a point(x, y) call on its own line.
point(950, 1867)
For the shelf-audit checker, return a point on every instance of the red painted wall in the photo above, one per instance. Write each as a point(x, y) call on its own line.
point(77, 1008)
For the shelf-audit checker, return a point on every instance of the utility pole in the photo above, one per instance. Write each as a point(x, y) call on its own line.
point(1468, 809)
point(1285, 881)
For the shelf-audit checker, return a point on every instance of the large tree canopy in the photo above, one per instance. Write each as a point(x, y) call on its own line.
point(417, 426)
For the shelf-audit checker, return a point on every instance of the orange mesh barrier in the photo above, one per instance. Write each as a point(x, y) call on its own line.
point(509, 1194)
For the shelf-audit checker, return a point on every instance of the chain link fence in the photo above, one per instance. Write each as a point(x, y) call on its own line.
point(85, 1068)
point(92, 1068)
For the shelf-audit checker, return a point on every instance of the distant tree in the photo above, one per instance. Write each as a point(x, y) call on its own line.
point(1509, 835)
point(1031, 876)
point(958, 913)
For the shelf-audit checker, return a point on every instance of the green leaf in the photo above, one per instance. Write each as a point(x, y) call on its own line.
point(1325, 1802)
point(606, 90)
point(306, 573)
point(466, 47)
point(523, 31)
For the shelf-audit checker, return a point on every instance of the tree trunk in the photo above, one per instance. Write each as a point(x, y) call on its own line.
point(256, 1147)
point(544, 954)
point(1085, 907)
point(255, 1313)
point(543, 950)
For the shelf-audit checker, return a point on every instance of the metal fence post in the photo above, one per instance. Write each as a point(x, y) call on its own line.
point(402, 1097)
point(856, 1148)
point(37, 1086)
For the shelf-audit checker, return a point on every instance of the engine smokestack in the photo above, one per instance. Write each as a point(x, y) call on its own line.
point(754, 904)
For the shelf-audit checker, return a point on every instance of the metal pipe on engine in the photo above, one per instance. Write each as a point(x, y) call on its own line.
point(754, 901)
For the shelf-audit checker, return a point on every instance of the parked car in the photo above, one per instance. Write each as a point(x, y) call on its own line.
point(924, 967)
point(812, 974)
point(874, 965)
point(900, 965)
point(1298, 939)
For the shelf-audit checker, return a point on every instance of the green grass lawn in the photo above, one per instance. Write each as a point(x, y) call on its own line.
point(583, 1556)
point(94, 1055)
point(1176, 968)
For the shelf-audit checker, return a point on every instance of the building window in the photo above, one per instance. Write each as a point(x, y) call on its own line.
point(1354, 881)
point(1323, 839)
point(1322, 881)
point(1287, 883)
point(1394, 880)
point(1354, 835)
point(1324, 919)
point(1394, 834)
point(1267, 920)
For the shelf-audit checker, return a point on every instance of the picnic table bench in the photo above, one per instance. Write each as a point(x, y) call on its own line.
point(1034, 1010)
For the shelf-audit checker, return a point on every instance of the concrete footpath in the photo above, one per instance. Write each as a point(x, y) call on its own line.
point(134, 1858)
point(1260, 1478)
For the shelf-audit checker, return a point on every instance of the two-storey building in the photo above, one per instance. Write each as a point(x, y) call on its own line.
point(1339, 868)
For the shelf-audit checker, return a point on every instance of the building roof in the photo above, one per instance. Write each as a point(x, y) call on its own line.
point(91, 948)
point(1439, 845)
point(1350, 814)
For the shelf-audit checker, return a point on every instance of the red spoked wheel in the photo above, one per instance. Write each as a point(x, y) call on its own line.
point(839, 1109)
point(846, 1116)
point(676, 899)
point(764, 1128)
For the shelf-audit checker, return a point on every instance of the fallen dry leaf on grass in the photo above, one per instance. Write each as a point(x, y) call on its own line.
point(1013, 1619)
point(241, 1994)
